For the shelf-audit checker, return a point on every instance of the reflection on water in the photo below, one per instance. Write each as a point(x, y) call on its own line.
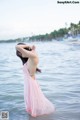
point(59, 80)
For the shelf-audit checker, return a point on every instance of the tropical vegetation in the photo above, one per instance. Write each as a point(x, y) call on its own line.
point(73, 30)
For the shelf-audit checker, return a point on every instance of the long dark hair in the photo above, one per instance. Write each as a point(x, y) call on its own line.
point(24, 60)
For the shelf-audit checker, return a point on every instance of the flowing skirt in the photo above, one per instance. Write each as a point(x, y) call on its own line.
point(35, 102)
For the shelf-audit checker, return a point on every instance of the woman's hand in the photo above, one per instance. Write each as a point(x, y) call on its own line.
point(33, 47)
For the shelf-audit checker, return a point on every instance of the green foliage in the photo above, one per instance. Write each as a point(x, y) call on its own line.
point(74, 29)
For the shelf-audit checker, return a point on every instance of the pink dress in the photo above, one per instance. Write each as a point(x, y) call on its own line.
point(35, 102)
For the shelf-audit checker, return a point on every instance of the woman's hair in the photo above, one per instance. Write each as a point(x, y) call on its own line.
point(24, 60)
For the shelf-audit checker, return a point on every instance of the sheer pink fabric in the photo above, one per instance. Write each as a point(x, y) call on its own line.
point(35, 102)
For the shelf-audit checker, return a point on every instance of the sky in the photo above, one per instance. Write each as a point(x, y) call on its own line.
point(22, 18)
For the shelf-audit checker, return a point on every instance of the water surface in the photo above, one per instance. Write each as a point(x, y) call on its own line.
point(59, 80)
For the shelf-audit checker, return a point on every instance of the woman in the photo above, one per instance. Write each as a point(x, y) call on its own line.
point(35, 101)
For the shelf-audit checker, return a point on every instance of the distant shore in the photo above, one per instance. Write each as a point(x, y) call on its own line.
point(59, 35)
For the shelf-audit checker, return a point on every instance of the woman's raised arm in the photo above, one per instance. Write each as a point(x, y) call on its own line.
point(24, 52)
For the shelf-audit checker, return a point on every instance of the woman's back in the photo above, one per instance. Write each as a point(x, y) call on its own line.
point(32, 65)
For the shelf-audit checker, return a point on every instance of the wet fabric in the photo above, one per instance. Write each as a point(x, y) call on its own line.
point(35, 101)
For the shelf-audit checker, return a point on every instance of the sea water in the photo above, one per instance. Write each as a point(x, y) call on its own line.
point(59, 80)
